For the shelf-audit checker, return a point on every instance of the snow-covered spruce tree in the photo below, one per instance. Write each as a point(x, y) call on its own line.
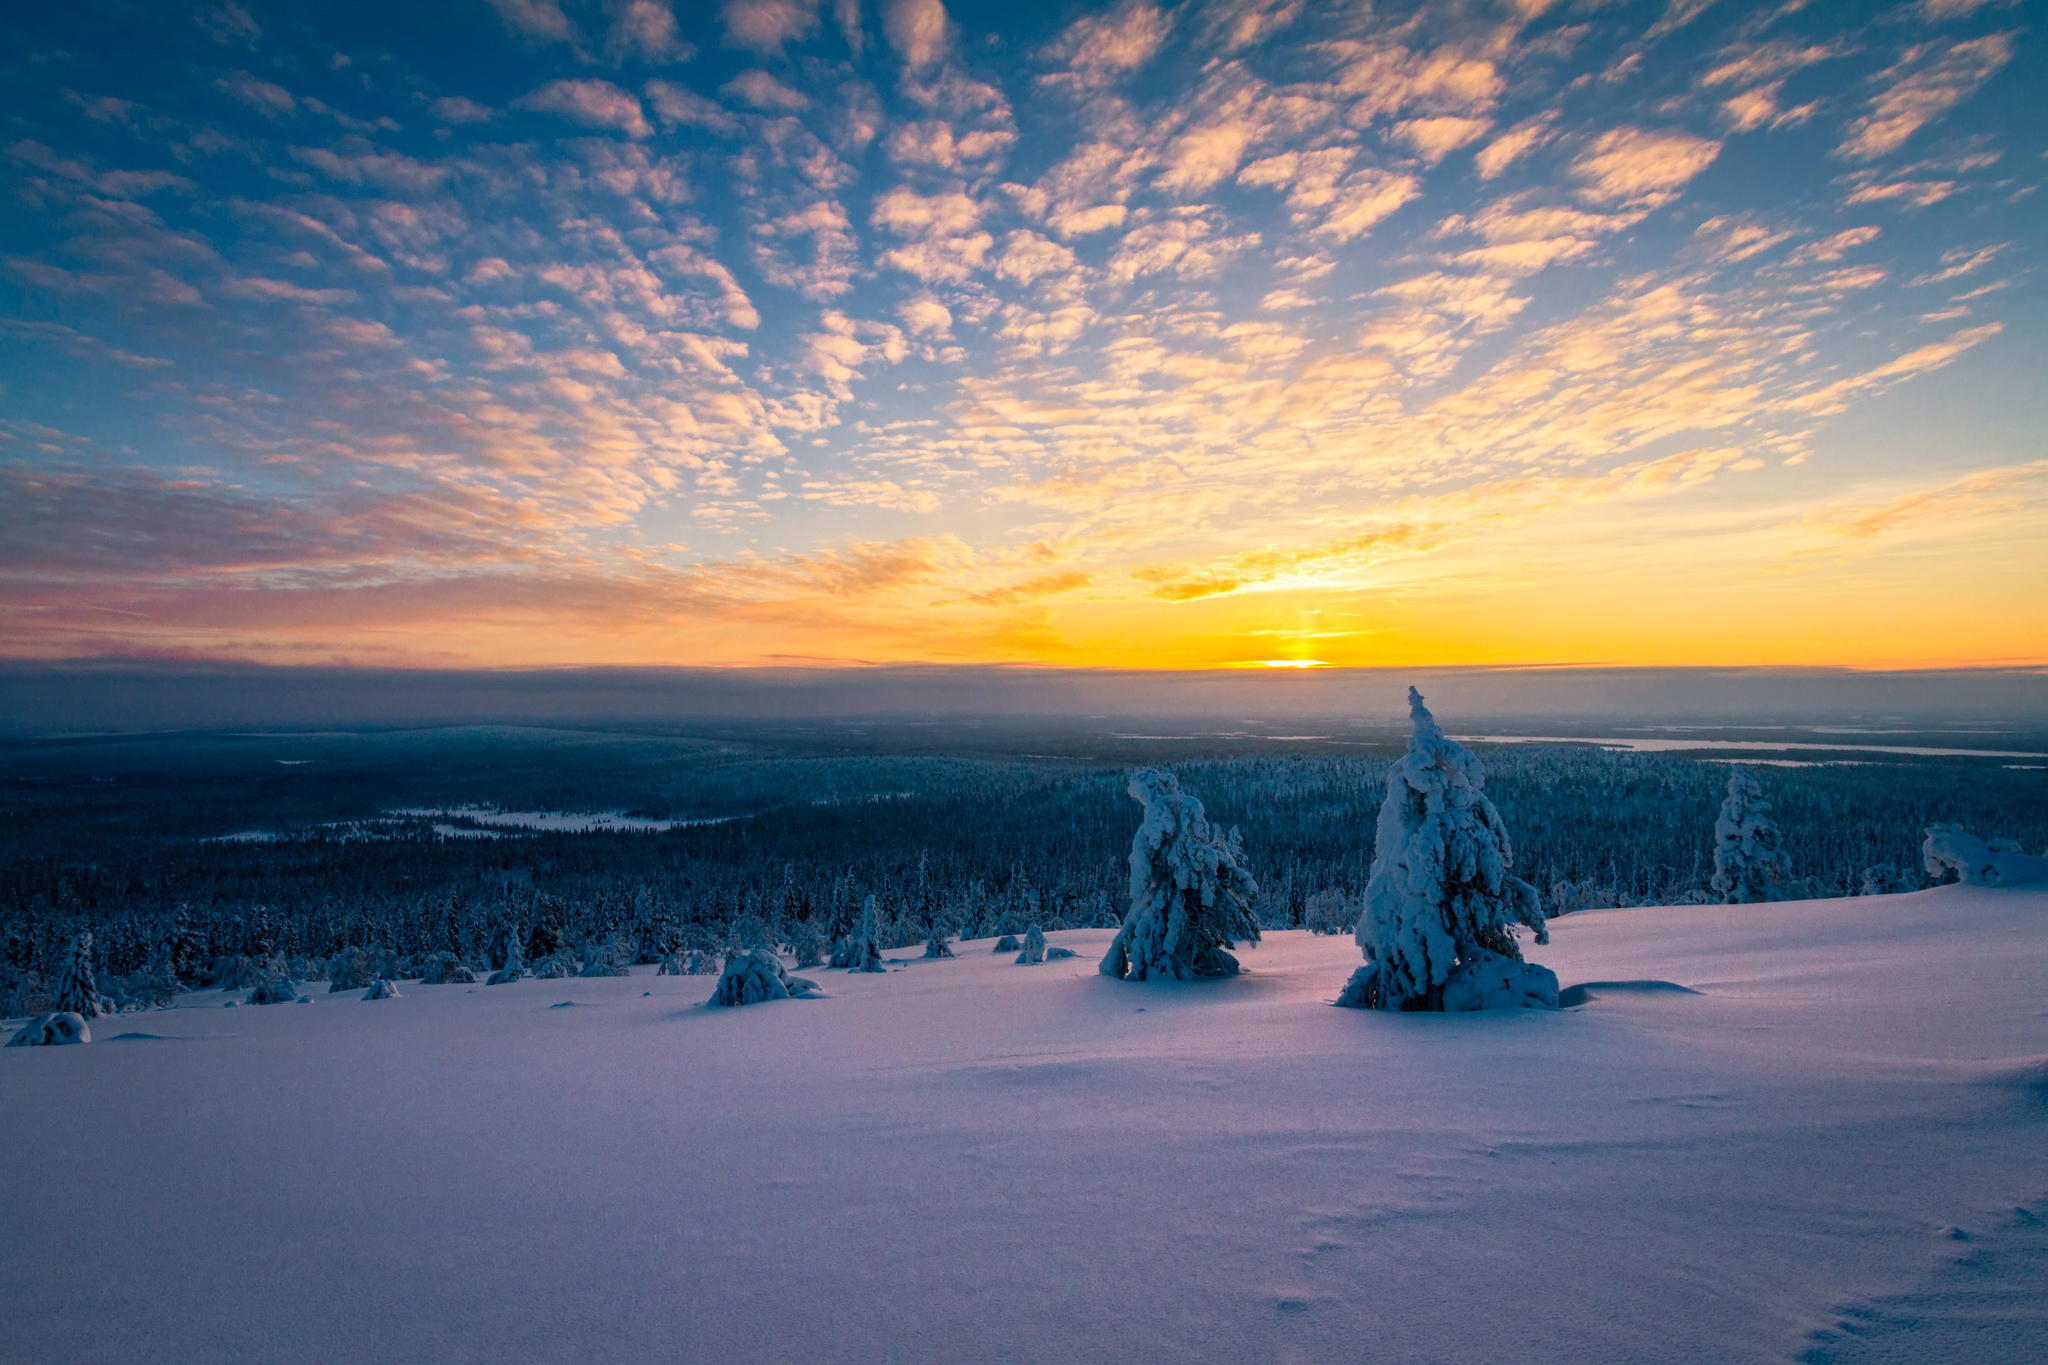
point(861, 950)
point(937, 941)
point(1441, 905)
point(756, 975)
point(76, 990)
point(182, 945)
point(1191, 893)
point(1748, 862)
point(806, 945)
point(512, 944)
point(1034, 948)
point(1006, 944)
point(381, 989)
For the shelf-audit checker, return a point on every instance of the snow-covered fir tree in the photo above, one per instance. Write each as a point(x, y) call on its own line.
point(805, 944)
point(1034, 948)
point(1441, 898)
point(1749, 864)
point(512, 963)
point(937, 941)
point(381, 989)
point(757, 975)
point(861, 950)
point(183, 944)
point(277, 990)
point(1191, 893)
point(76, 989)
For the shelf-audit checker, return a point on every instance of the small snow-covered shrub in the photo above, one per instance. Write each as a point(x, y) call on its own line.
point(348, 970)
point(604, 959)
point(148, 989)
point(234, 972)
point(756, 975)
point(1191, 893)
point(1950, 850)
point(938, 943)
point(556, 965)
point(672, 965)
point(1329, 912)
point(278, 990)
point(701, 963)
point(381, 989)
point(446, 969)
point(1034, 948)
point(1006, 944)
point(52, 1030)
point(1055, 953)
point(1488, 981)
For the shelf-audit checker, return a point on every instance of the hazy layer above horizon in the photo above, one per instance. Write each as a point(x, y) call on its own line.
point(126, 697)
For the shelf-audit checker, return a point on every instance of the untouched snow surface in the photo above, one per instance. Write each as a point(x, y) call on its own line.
point(1829, 1147)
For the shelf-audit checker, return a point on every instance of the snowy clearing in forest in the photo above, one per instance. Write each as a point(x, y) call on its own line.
point(561, 822)
point(1828, 1146)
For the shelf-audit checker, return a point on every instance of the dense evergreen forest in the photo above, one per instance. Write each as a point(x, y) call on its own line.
point(196, 856)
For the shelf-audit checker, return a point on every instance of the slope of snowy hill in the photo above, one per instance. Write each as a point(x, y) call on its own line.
point(1809, 1131)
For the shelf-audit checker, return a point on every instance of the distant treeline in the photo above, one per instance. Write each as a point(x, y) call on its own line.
point(976, 845)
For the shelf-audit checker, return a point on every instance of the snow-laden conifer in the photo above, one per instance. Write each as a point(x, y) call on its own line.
point(1749, 864)
point(805, 944)
point(512, 964)
point(1441, 895)
point(757, 975)
point(1034, 947)
point(277, 990)
point(861, 950)
point(76, 990)
point(1191, 892)
point(381, 989)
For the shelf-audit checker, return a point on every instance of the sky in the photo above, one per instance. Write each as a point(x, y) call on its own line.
point(1231, 333)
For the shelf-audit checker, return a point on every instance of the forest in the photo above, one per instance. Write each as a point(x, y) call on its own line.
point(211, 858)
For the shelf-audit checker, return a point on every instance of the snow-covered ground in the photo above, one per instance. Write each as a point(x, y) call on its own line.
point(1830, 1146)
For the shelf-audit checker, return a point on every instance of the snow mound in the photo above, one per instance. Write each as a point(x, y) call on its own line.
point(1572, 996)
point(52, 1030)
point(1488, 981)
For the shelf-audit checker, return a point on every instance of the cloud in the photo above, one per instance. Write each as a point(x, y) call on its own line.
point(645, 29)
point(1638, 164)
point(537, 20)
point(1940, 508)
point(917, 29)
point(1436, 138)
point(593, 103)
point(1098, 49)
point(765, 26)
point(762, 91)
point(925, 316)
point(1925, 83)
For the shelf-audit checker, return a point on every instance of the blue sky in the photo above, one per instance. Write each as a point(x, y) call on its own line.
point(533, 333)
